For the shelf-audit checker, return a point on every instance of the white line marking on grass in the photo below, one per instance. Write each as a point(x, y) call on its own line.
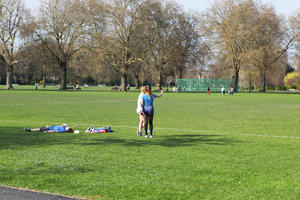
point(235, 133)
point(170, 129)
point(218, 132)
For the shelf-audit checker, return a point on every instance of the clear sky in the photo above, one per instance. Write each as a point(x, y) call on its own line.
point(286, 7)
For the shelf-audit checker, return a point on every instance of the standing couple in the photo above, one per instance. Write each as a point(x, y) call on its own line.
point(145, 110)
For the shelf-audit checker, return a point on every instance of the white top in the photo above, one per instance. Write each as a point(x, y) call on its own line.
point(222, 89)
point(139, 105)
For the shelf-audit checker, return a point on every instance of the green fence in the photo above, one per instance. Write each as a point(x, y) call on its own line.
point(201, 85)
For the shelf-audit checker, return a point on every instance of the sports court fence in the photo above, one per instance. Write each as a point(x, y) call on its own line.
point(202, 85)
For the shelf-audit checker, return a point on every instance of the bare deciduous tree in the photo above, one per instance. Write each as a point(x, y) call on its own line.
point(162, 25)
point(186, 46)
point(230, 25)
point(123, 16)
point(61, 22)
point(13, 15)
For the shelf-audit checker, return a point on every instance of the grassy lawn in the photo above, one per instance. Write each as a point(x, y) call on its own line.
point(245, 146)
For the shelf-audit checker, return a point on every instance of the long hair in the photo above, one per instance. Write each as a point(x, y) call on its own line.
point(143, 90)
point(70, 130)
point(148, 91)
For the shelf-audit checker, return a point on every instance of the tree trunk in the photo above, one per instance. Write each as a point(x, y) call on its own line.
point(235, 80)
point(263, 84)
point(160, 80)
point(63, 76)
point(44, 80)
point(180, 73)
point(137, 83)
point(250, 82)
point(9, 73)
point(235, 77)
point(123, 82)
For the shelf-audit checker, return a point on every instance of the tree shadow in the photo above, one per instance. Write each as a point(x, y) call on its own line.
point(37, 169)
point(167, 140)
point(42, 168)
point(16, 137)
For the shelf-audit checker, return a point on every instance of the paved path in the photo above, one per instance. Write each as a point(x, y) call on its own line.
point(16, 194)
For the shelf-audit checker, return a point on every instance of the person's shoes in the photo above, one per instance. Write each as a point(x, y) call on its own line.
point(146, 136)
point(27, 129)
point(151, 136)
point(139, 133)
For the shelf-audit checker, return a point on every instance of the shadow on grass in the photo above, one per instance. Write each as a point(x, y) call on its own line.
point(42, 168)
point(167, 140)
point(15, 137)
point(11, 137)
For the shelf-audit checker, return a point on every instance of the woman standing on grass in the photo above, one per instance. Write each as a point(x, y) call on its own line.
point(139, 111)
point(148, 109)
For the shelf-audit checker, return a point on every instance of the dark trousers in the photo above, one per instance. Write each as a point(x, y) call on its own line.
point(149, 114)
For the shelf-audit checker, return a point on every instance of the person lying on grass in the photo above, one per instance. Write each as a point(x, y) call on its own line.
point(52, 129)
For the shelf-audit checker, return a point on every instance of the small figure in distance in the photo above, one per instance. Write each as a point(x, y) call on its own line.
point(115, 88)
point(208, 91)
point(128, 87)
point(231, 91)
point(174, 89)
point(223, 90)
point(52, 129)
point(77, 87)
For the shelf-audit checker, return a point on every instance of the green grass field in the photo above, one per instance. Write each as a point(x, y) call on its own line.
point(245, 146)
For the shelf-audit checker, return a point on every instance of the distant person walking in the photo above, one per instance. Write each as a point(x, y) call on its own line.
point(148, 109)
point(223, 90)
point(208, 91)
point(140, 112)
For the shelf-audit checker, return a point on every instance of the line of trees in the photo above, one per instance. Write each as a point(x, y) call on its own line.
point(145, 41)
